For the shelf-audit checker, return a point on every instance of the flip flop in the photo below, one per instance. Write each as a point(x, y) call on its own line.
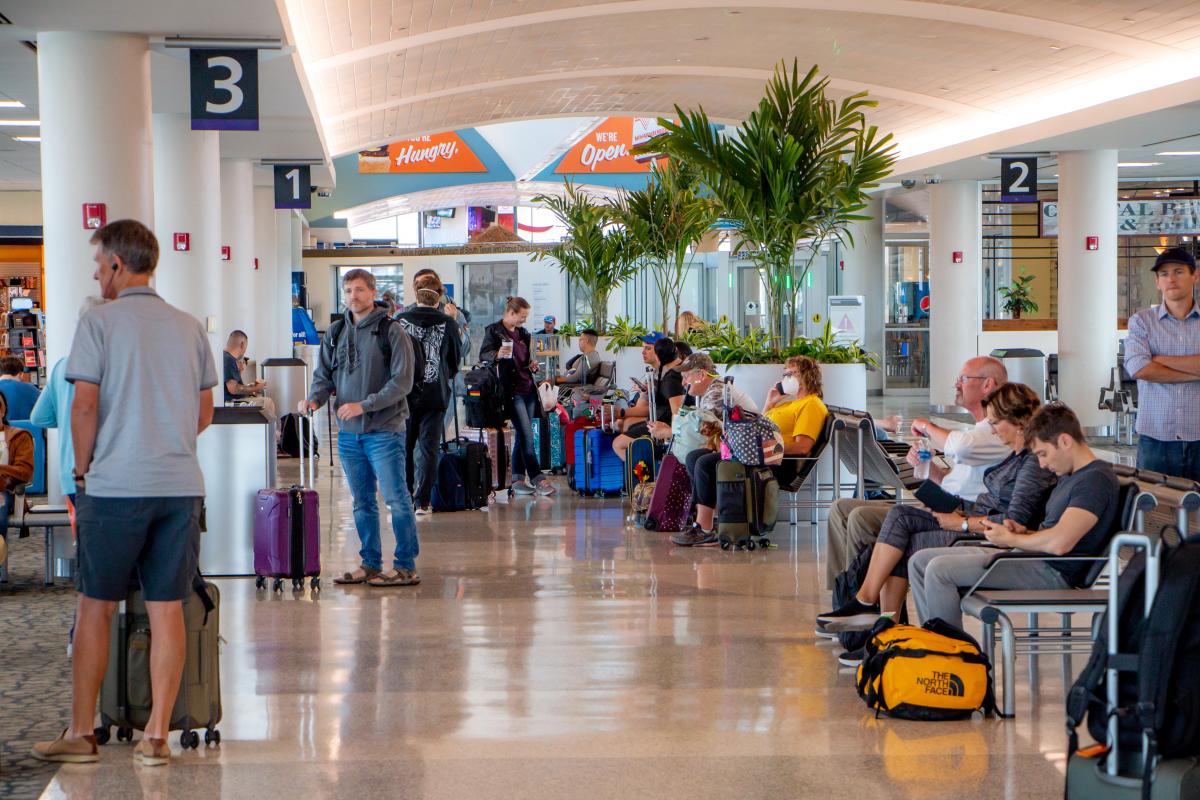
point(400, 577)
point(349, 578)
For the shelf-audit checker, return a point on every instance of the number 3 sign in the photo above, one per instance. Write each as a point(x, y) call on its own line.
point(293, 186)
point(224, 90)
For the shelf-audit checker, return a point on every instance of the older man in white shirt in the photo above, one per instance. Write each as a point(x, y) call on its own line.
point(855, 523)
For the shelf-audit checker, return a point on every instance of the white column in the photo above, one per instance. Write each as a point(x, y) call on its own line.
point(263, 310)
point(955, 226)
point(282, 297)
point(237, 232)
point(187, 199)
point(94, 104)
point(862, 273)
point(1087, 280)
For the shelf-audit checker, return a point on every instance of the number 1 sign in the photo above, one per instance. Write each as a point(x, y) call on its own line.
point(293, 186)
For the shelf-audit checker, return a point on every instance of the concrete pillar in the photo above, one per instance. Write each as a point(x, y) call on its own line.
point(1087, 280)
point(862, 273)
point(237, 232)
point(187, 198)
point(94, 98)
point(955, 226)
point(281, 298)
point(262, 293)
point(94, 104)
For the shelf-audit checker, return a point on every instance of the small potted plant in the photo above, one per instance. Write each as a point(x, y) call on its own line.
point(1016, 296)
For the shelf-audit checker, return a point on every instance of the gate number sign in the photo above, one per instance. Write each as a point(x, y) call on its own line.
point(293, 186)
point(1018, 180)
point(224, 90)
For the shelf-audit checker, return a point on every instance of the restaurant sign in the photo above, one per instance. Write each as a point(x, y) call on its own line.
point(1139, 217)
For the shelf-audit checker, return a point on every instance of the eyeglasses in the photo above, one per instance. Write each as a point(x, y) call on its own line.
point(962, 378)
point(991, 424)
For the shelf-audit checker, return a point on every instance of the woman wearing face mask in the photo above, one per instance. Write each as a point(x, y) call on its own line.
point(795, 406)
point(1017, 488)
point(509, 344)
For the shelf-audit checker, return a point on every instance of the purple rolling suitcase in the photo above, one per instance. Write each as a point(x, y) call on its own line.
point(672, 498)
point(287, 532)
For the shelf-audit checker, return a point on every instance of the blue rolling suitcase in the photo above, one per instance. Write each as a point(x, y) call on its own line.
point(599, 472)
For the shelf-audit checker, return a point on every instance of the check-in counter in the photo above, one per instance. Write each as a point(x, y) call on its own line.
point(237, 457)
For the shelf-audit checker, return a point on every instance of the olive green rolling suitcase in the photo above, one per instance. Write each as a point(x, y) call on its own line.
point(747, 505)
point(125, 695)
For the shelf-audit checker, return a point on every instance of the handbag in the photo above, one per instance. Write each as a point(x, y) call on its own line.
point(687, 431)
point(751, 438)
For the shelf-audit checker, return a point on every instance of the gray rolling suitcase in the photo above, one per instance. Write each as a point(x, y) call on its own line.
point(125, 694)
point(1114, 770)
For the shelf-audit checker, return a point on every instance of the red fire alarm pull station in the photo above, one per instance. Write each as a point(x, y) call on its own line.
point(94, 216)
point(957, 257)
point(1093, 243)
point(224, 252)
point(183, 242)
point(256, 263)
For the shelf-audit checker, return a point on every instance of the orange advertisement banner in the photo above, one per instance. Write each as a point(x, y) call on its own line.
point(438, 152)
point(605, 149)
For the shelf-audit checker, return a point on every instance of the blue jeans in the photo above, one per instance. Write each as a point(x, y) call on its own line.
point(524, 457)
point(366, 458)
point(422, 449)
point(1180, 459)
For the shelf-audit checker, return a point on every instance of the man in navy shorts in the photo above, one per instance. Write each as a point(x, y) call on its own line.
point(143, 373)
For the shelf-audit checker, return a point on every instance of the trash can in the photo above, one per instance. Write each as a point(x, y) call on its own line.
point(1025, 365)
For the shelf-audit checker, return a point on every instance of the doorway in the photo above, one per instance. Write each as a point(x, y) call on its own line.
point(487, 286)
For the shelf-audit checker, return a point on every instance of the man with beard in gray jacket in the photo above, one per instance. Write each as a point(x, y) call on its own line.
point(367, 361)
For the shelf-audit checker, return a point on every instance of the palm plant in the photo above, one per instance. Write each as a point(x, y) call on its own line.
point(797, 172)
point(595, 257)
point(1017, 296)
point(666, 220)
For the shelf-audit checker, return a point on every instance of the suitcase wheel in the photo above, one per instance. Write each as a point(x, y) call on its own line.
point(726, 545)
point(124, 734)
point(651, 524)
point(260, 582)
point(277, 586)
point(764, 543)
point(297, 584)
point(103, 734)
point(212, 737)
point(750, 545)
point(189, 740)
point(315, 585)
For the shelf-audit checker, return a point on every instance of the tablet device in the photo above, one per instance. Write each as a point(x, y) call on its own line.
point(937, 498)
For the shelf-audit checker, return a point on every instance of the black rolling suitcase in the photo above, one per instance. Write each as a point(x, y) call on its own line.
point(1140, 691)
point(474, 467)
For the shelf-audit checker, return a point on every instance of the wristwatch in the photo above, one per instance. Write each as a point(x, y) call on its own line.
point(79, 479)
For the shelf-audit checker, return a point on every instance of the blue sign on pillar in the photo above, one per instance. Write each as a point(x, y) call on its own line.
point(224, 90)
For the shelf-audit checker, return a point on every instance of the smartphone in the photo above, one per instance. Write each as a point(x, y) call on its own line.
point(641, 387)
point(779, 388)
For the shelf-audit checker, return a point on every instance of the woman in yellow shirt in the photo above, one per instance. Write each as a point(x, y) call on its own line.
point(795, 405)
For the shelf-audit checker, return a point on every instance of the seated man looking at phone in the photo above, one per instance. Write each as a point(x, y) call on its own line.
point(669, 394)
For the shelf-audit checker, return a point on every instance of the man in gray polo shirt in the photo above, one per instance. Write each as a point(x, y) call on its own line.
point(143, 373)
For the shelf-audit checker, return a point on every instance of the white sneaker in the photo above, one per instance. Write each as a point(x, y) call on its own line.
point(423, 511)
point(545, 488)
point(522, 487)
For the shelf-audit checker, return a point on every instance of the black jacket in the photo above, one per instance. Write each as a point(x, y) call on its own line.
point(494, 336)
point(438, 337)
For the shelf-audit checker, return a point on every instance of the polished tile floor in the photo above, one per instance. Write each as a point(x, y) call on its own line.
point(554, 651)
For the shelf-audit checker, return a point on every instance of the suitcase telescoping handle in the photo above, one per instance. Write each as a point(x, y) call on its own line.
point(307, 459)
point(651, 398)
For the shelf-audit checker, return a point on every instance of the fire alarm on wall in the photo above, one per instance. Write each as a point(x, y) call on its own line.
point(183, 242)
point(1093, 243)
point(957, 257)
point(94, 215)
point(224, 252)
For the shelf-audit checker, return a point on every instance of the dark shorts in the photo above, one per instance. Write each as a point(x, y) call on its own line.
point(157, 536)
point(637, 431)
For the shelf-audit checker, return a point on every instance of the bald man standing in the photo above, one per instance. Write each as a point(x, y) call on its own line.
point(855, 523)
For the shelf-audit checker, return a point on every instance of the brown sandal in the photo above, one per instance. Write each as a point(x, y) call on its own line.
point(399, 577)
point(349, 578)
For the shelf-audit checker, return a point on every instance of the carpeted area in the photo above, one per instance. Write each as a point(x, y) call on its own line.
point(35, 694)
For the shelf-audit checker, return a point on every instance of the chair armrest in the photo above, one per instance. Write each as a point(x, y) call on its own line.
point(1018, 555)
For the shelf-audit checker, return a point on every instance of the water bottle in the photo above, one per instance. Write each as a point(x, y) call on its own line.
point(924, 459)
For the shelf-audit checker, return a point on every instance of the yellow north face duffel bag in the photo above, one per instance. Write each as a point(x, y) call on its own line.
point(935, 672)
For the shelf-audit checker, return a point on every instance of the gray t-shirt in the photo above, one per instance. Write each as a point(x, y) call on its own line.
point(151, 361)
point(1093, 488)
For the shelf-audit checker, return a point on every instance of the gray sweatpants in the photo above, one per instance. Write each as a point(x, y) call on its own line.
point(852, 524)
point(935, 576)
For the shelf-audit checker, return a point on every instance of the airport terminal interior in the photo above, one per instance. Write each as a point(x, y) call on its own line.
point(622, 209)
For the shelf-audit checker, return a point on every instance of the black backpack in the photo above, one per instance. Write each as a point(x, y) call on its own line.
point(484, 402)
point(294, 435)
point(383, 339)
point(1158, 683)
point(845, 586)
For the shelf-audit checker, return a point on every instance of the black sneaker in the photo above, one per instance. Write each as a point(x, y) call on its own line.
point(850, 617)
point(822, 632)
point(851, 658)
point(694, 536)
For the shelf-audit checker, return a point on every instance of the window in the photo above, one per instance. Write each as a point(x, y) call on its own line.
point(388, 278)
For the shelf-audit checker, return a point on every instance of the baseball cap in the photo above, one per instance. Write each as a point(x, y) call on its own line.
point(698, 361)
point(652, 338)
point(1175, 255)
point(548, 318)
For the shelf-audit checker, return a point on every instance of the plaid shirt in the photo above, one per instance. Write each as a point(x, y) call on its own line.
point(1169, 412)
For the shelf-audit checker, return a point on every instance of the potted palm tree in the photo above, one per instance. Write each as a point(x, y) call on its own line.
point(797, 171)
point(666, 220)
point(1017, 297)
point(595, 256)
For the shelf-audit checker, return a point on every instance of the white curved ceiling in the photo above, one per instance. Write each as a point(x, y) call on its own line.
point(942, 70)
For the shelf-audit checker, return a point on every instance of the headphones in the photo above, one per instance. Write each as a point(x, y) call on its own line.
point(114, 266)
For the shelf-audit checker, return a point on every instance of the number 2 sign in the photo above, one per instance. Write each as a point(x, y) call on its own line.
point(224, 90)
point(293, 186)
point(1018, 180)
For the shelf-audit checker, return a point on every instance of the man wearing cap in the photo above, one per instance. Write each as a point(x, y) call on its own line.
point(548, 324)
point(657, 351)
point(1163, 353)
